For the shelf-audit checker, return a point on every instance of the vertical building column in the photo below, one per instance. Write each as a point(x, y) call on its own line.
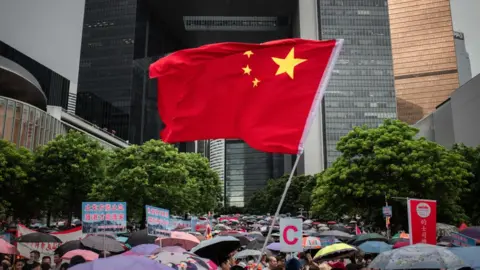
point(72, 98)
point(313, 157)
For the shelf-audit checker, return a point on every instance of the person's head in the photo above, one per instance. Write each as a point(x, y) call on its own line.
point(293, 264)
point(46, 266)
point(34, 255)
point(47, 259)
point(64, 266)
point(272, 261)
point(6, 264)
point(76, 260)
point(19, 265)
point(57, 259)
point(36, 266)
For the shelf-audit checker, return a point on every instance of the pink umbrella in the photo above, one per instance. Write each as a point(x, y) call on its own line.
point(86, 254)
point(7, 248)
point(183, 239)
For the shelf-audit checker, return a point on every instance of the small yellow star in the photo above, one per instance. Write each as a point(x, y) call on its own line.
point(248, 53)
point(288, 64)
point(255, 82)
point(247, 70)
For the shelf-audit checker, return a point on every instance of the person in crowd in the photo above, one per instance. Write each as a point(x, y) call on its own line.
point(34, 260)
point(293, 264)
point(57, 260)
point(64, 266)
point(18, 265)
point(46, 266)
point(263, 260)
point(76, 260)
point(272, 262)
point(6, 264)
point(47, 260)
point(35, 265)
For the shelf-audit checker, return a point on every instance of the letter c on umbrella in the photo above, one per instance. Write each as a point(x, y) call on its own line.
point(285, 236)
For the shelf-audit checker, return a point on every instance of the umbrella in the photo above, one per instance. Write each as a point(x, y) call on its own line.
point(274, 246)
point(473, 232)
point(217, 248)
point(400, 244)
point(247, 253)
point(183, 239)
point(470, 255)
point(256, 236)
point(144, 249)
point(375, 247)
point(122, 263)
point(7, 248)
point(68, 246)
point(341, 228)
point(311, 242)
point(419, 256)
point(170, 249)
point(336, 234)
point(140, 237)
point(445, 229)
point(38, 237)
point(181, 260)
point(258, 244)
point(99, 243)
point(334, 251)
point(86, 254)
point(369, 237)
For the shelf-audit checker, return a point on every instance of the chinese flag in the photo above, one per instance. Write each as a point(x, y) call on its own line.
point(265, 94)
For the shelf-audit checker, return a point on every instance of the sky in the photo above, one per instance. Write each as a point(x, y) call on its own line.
point(466, 19)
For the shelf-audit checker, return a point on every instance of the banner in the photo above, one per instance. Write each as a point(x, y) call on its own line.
point(460, 240)
point(67, 235)
point(100, 217)
point(176, 223)
point(157, 219)
point(422, 221)
point(45, 249)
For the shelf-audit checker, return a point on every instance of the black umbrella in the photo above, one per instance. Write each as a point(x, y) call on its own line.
point(68, 246)
point(243, 239)
point(341, 228)
point(100, 243)
point(38, 237)
point(217, 249)
point(139, 238)
point(257, 244)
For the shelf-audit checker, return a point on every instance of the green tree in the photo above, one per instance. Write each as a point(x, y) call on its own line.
point(149, 174)
point(17, 192)
point(390, 161)
point(469, 200)
point(204, 191)
point(66, 168)
point(298, 195)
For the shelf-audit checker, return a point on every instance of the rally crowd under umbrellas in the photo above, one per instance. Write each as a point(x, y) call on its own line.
point(236, 242)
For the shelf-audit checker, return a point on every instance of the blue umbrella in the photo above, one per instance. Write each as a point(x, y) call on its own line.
point(122, 263)
point(470, 255)
point(145, 249)
point(274, 246)
point(374, 247)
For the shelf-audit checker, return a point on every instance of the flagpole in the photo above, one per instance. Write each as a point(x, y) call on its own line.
point(279, 207)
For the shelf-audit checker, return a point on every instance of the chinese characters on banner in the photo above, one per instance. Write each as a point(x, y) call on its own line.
point(100, 217)
point(158, 219)
point(422, 220)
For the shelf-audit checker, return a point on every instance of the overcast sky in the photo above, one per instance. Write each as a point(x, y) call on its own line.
point(466, 19)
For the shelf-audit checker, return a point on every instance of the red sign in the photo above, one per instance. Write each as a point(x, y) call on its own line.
point(422, 220)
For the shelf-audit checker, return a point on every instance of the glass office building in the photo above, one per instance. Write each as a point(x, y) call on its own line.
point(361, 89)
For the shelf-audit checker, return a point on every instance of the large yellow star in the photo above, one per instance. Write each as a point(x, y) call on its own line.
point(248, 53)
point(255, 82)
point(288, 64)
point(247, 70)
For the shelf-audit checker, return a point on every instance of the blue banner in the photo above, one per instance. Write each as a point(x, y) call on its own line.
point(460, 240)
point(193, 224)
point(158, 219)
point(100, 217)
point(327, 241)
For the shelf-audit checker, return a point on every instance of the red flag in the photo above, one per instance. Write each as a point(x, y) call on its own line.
point(265, 94)
point(463, 226)
point(357, 230)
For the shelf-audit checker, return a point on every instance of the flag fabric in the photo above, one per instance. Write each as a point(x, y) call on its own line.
point(265, 94)
point(357, 230)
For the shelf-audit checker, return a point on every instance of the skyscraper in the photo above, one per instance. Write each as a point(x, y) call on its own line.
point(424, 61)
point(361, 90)
point(463, 59)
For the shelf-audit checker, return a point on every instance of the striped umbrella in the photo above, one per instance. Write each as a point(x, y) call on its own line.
point(311, 242)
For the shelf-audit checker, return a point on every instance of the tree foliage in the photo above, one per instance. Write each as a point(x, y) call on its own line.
point(16, 181)
point(156, 174)
point(469, 200)
point(389, 161)
point(66, 169)
point(267, 199)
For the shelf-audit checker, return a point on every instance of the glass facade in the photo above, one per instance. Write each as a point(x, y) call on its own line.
point(26, 125)
point(361, 89)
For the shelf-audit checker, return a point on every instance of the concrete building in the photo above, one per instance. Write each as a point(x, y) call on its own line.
point(456, 119)
point(463, 59)
point(424, 61)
